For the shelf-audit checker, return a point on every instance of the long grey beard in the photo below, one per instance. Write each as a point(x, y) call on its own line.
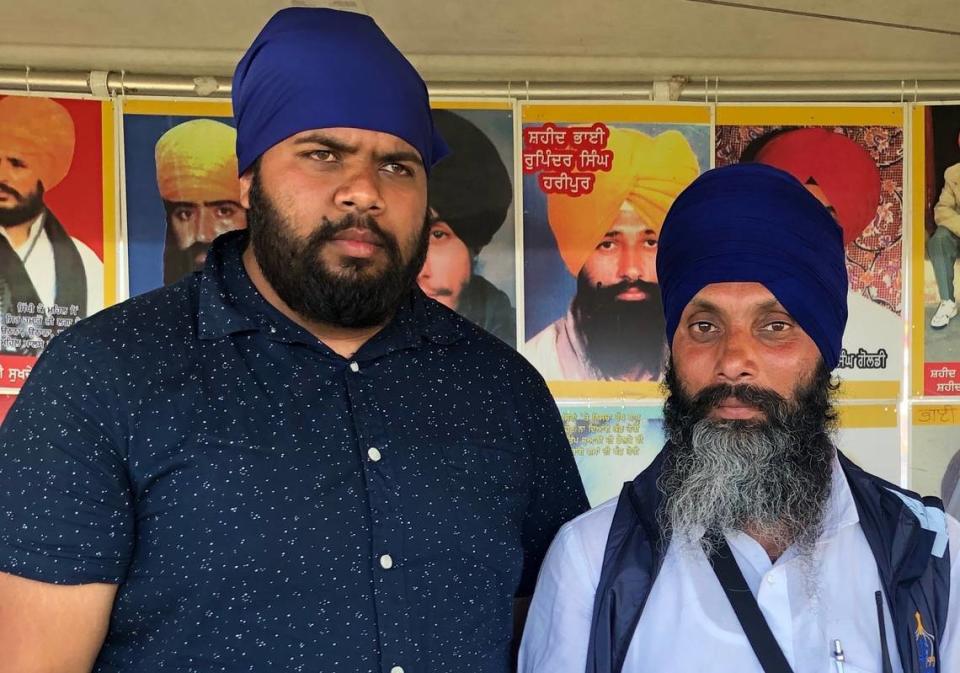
point(740, 475)
point(769, 478)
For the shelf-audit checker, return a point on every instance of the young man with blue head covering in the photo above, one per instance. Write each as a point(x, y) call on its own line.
point(831, 561)
point(292, 460)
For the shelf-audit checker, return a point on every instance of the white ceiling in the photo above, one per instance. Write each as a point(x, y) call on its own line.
point(587, 40)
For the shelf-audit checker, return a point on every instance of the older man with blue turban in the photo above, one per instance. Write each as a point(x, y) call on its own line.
point(293, 460)
point(751, 544)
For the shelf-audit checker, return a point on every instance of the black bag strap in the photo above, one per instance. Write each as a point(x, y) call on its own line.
point(755, 627)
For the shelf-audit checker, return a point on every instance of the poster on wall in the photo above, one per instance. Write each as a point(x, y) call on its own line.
point(936, 249)
point(935, 454)
point(869, 435)
point(613, 443)
point(181, 186)
point(57, 223)
point(852, 160)
point(597, 183)
point(471, 258)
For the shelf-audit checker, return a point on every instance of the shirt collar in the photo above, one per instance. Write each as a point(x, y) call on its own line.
point(229, 303)
point(36, 228)
point(841, 510)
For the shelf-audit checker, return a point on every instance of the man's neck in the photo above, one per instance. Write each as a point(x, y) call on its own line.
point(344, 341)
point(18, 234)
point(772, 545)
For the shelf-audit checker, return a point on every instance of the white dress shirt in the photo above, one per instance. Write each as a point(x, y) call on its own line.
point(37, 256)
point(688, 623)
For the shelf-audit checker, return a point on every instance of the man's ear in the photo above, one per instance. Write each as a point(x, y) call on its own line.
point(246, 181)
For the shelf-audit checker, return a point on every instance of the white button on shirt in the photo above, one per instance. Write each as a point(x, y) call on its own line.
point(354, 367)
point(373, 453)
point(386, 562)
point(688, 623)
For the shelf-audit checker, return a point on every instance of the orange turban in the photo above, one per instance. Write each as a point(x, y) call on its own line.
point(197, 162)
point(647, 172)
point(41, 132)
point(845, 171)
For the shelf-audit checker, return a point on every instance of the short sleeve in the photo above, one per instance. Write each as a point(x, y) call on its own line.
point(557, 491)
point(66, 510)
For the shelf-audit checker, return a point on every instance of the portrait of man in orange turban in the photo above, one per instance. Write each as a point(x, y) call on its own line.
point(40, 263)
point(198, 182)
point(614, 327)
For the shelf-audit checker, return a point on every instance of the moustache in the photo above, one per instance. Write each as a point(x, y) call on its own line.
point(329, 229)
point(7, 189)
point(611, 291)
point(771, 403)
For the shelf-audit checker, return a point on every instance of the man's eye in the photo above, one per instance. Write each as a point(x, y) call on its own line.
point(183, 214)
point(226, 211)
point(778, 326)
point(438, 234)
point(650, 243)
point(397, 169)
point(606, 244)
point(321, 155)
point(702, 327)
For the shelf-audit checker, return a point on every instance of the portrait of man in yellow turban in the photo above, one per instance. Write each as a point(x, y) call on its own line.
point(614, 329)
point(41, 264)
point(198, 181)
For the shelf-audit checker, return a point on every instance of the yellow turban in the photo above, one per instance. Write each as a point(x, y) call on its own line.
point(197, 162)
point(41, 132)
point(648, 173)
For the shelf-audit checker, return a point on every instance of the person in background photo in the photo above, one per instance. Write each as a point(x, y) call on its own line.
point(944, 245)
point(613, 329)
point(40, 262)
point(470, 194)
point(197, 178)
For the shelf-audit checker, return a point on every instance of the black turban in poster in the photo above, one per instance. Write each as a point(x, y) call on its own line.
point(470, 189)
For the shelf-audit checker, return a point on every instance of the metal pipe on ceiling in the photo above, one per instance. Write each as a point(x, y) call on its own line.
point(101, 83)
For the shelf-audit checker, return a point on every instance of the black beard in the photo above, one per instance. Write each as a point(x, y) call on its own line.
point(28, 207)
point(618, 336)
point(294, 269)
point(177, 262)
point(771, 475)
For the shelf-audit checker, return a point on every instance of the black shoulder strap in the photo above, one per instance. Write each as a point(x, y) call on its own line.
point(745, 605)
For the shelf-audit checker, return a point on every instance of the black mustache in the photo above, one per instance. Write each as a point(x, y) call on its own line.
point(11, 191)
point(330, 229)
point(623, 286)
point(770, 402)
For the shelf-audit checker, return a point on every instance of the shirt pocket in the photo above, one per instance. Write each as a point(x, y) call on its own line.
point(488, 482)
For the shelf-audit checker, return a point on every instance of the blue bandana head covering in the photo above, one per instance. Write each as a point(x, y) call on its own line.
point(313, 68)
point(755, 223)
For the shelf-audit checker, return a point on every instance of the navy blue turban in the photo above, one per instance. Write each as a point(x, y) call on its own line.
point(755, 223)
point(313, 68)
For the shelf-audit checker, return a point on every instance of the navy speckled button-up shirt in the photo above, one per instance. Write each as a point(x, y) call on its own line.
point(267, 505)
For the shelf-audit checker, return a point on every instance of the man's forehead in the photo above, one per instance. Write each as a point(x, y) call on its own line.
point(629, 221)
point(357, 138)
point(735, 297)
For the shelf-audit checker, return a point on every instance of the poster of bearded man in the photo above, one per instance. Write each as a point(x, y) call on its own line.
point(182, 187)
point(597, 182)
point(851, 158)
point(57, 223)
